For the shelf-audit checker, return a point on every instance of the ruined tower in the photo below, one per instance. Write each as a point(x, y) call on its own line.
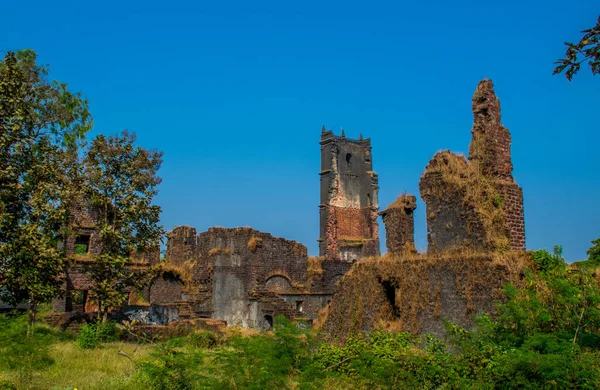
point(348, 207)
point(475, 203)
point(490, 151)
point(400, 225)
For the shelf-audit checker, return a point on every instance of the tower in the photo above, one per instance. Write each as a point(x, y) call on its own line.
point(348, 207)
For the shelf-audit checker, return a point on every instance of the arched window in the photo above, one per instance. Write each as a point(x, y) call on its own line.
point(349, 162)
point(278, 283)
point(369, 201)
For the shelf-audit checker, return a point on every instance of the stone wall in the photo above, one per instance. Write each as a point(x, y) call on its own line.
point(418, 294)
point(167, 288)
point(512, 204)
point(235, 275)
point(182, 245)
point(400, 224)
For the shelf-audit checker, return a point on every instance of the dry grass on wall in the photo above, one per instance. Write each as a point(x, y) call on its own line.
point(254, 243)
point(361, 303)
point(455, 176)
point(219, 251)
point(184, 272)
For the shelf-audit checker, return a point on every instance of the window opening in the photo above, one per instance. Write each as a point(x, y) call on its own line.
point(269, 320)
point(390, 294)
point(82, 244)
point(349, 162)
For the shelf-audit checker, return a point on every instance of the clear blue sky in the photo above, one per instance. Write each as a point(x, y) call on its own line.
point(235, 94)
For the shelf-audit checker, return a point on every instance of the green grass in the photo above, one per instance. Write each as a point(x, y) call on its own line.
point(73, 367)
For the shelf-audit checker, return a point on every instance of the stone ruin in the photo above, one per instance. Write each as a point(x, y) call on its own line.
point(475, 203)
point(476, 241)
point(349, 189)
point(244, 277)
point(400, 225)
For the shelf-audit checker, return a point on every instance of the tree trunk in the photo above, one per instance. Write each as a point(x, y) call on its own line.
point(32, 318)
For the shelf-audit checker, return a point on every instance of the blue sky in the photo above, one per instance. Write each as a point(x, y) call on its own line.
point(235, 94)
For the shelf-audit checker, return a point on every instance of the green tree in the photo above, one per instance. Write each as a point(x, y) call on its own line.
point(121, 179)
point(41, 122)
point(594, 252)
point(587, 49)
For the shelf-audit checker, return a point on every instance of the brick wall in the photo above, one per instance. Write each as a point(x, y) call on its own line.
point(512, 202)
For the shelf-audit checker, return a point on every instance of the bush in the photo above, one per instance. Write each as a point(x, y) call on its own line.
point(169, 369)
point(206, 340)
point(93, 334)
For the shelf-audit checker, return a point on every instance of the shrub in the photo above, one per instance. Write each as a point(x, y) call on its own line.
point(93, 334)
point(204, 340)
point(169, 369)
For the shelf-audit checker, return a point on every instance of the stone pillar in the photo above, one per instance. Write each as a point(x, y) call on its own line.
point(399, 225)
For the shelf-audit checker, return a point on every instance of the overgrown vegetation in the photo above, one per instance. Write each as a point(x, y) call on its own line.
point(545, 335)
point(455, 181)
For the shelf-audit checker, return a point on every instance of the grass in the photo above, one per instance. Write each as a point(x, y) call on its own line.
point(51, 359)
point(101, 368)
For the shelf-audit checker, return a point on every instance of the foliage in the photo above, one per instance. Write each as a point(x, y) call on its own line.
point(51, 359)
point(40, 124)
point(204, 340)
point(24, 355)
point(594, 252)
point(91, 335)
point(587, 49)
point(544, 261)
point(81, 249)
point(121, 181)
point(255, 362)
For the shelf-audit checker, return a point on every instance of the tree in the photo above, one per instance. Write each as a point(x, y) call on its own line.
point(587, 49)
point(594, 252)
point(41, 122)
point(121, 180)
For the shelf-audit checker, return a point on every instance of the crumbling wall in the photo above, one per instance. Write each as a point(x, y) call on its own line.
point(325, 274)
point(84, 224)
point(475, 204)
point(419, 293)
point(400, 224)
point(166, 289)
point(181, 248)
point(460, 208)
point(243, 261)
point(236, 274)
point(490, 152)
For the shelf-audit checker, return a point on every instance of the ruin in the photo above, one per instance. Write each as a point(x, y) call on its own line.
point(400, 225)
point(475, 203)
point(349, 188)
point(81, 247)
point(244, 277)
point(475, 234)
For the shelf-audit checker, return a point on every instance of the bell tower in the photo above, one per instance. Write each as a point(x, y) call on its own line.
point(349, 205)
